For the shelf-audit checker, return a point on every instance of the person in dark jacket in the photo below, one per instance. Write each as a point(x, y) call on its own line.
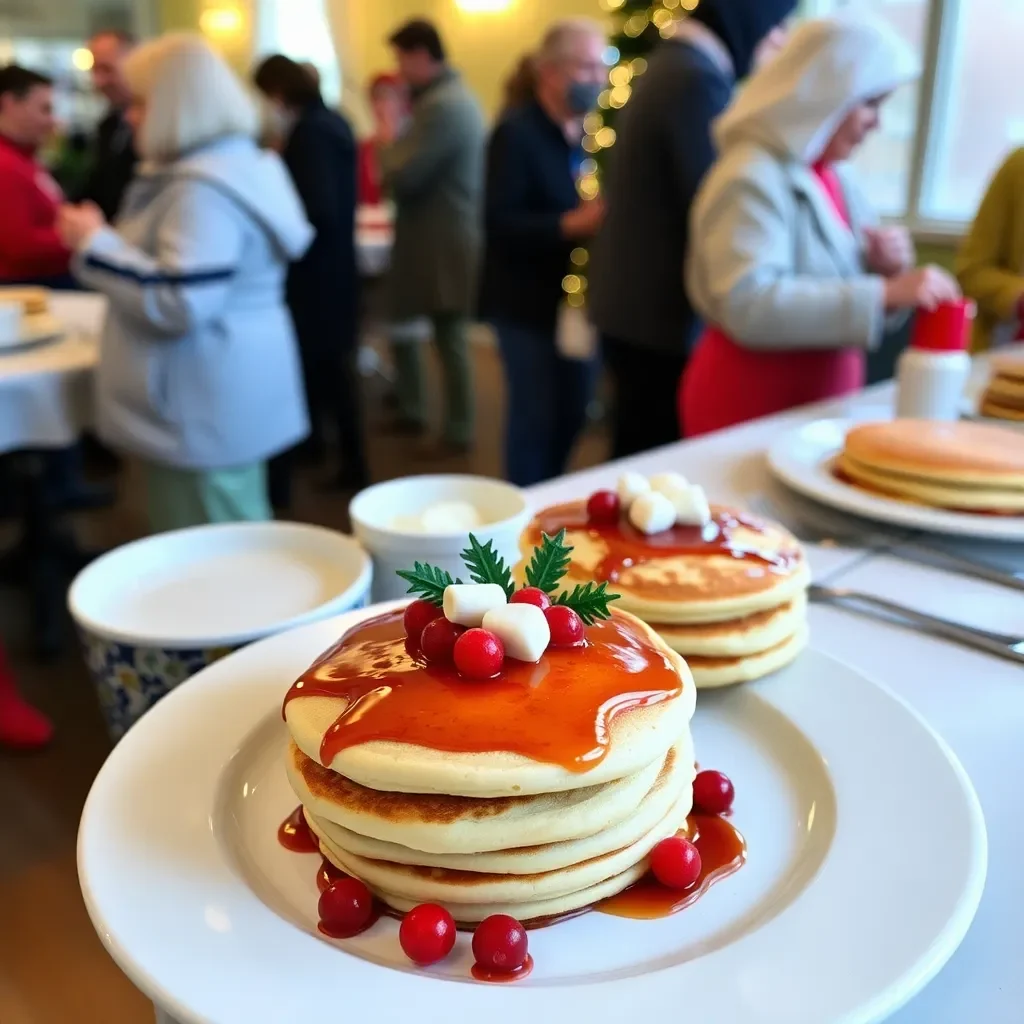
point(663, 151)
point(319, 149)
point(534, 219)
point(114, 157)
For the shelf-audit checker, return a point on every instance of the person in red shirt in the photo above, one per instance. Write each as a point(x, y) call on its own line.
point(389, 102)
point(30, 248)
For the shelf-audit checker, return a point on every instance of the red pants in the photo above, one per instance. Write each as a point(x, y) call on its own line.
point(726, 384)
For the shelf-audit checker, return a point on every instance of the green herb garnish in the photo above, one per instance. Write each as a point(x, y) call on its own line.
point(589, 601)
point(485, 566)
point(549, 564)
point(428, 581)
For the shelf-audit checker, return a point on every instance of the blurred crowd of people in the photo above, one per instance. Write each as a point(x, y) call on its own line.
point(734, 268)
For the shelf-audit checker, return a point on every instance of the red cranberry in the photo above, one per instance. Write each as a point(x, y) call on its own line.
point(675, 863)
point(567, 629)
point(346, 907)
point(427, 934)
point(531, 595)
point(417, 616)
point(437, 641)
point(479, 654)
point(713, 793)
point(604, 507)
point(500, 944)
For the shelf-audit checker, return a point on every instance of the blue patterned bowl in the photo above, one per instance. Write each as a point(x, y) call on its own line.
point(153, 613)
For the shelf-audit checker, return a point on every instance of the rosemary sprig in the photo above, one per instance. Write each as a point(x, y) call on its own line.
point(549, 564)
point(428, 581)
point(589, 602)
point(485, 566)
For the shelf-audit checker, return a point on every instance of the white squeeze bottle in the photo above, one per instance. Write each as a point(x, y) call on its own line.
point(932, 373)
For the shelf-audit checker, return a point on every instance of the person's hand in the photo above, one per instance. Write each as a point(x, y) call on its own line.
point(77, 224)
point(890, 251)
point(923, 288)
point(769, 47)
point(585, 220)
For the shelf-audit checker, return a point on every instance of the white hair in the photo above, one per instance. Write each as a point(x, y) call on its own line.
point(558, 39)
point(191, 96)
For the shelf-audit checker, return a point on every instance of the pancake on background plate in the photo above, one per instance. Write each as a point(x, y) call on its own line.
point(33, 301)
point(536, 791)
point(1004, 397)
point(729, 594)
point(966, 467)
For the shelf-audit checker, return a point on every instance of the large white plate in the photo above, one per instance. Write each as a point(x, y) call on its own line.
point(867, 859)
point(802, 458)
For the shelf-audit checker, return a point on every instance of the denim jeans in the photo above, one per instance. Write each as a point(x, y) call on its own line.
point(547, 402)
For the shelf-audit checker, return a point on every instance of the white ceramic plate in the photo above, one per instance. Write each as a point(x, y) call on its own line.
point(867, 859)
point(220, 585)
point(802, 458)
point(35, 329)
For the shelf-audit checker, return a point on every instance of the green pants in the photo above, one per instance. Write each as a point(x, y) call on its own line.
point(451, 332)
point(177, 498)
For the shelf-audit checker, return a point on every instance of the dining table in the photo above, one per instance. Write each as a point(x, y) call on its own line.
point(973, 700)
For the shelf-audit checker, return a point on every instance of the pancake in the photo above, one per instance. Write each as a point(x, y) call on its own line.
point(760, 567)
point(33, 301)
point(751, 634)
point(533, 912)
point(711, 673)
point(1008, 365)
point(459, 825)
point(937, 493)
point(995, 410)
point(676, 773)
point(636, 736)
point(1008, 390)
point(951, 455)
point(434, 884)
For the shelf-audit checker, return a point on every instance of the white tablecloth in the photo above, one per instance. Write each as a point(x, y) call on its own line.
point(46, 390)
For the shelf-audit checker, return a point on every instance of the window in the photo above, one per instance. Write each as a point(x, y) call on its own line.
point(979, 106)
point(299, 29)
point(931, 162)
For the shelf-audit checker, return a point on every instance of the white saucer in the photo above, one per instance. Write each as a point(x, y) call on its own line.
point(35, 330)
point(867, 859)
point(802, 458)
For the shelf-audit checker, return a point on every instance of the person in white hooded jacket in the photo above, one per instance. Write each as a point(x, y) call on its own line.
point(199, 371)
point(788, 265)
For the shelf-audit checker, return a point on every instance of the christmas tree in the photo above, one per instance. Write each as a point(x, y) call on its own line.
point(639, 26)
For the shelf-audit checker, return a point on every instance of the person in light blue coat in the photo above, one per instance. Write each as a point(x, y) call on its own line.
point(199, 372)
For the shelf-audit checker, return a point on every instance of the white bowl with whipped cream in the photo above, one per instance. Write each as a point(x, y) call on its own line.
point(429, 518)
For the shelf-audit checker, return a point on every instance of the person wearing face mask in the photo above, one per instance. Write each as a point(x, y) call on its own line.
point(534, 218)
point(788, 266)
point(319, 150)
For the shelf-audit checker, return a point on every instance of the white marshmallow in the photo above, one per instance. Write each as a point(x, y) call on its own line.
point(631, 486)
point(668, 483)
point(523, 630)
point(652, 513)
point(692, 507)
point(468, 603)
point(450, 517)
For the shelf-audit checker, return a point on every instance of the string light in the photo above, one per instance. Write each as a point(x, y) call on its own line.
point(599, 136)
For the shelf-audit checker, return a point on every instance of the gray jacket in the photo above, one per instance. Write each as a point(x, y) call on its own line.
point(772, 264)
point(198, 363)
point(435, 174)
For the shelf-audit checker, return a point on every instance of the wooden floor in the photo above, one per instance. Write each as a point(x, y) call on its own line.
point(53, 969)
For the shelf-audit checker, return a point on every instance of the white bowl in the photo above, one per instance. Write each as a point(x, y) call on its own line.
point(503, 508)
point(154, 612)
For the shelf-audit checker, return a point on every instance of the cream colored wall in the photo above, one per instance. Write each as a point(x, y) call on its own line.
point(484, 47)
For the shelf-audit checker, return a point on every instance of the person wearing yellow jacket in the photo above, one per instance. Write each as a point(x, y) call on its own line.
point(991, 261)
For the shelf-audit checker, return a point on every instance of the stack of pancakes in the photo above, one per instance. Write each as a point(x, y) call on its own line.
point(1004, 397)
point(735, 615)
point(969, 467)
point(494, 832)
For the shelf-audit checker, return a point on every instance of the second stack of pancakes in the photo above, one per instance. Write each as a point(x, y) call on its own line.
point(730, 597)
point(490, 831)
point(1004, 397)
